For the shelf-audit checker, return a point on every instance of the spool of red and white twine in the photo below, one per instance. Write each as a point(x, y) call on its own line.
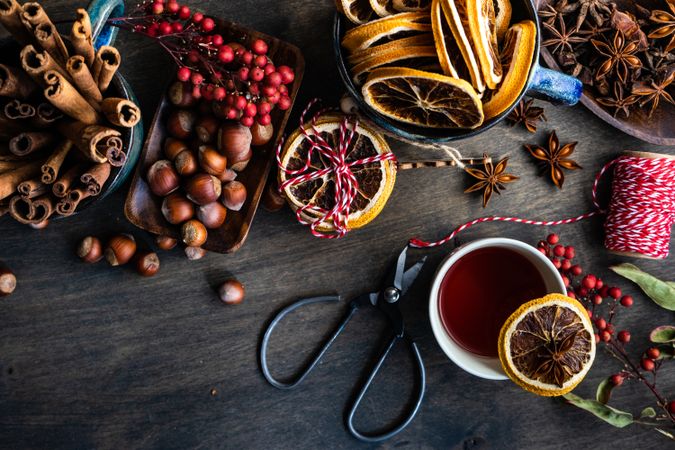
point(640, 213)
point(346, 184)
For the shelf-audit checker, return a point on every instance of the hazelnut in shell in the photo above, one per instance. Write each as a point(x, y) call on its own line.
point(272, 200)
point(261, 134)
point(166, 242)
point(176, 208)
point(206, 129)
point(186, 163)
point(147, 263)
point(7, 281)
point(90, 249)
point(193, 233)
point(120, 249)
point(234, 195)
point(203, 188)
point(231, 292)
point(181, 123)
point(172, 147)
point(162, 178)
point(180, 94)
point(194, 253)
point(212, 215)
point(234, 141)
point(227, 175)
point(211, 161)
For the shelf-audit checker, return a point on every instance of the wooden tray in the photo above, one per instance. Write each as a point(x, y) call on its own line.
point(143, 209)
point(658, 129)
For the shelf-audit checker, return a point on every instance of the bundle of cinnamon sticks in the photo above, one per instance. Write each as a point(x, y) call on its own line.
point(60, 134)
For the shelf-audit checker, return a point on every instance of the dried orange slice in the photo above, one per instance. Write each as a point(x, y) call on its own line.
point(502, 17)
point(456, 16)
point(412, 41)
point(414, 56)
point(547, 346)
point(481, 18)
point(423, 98)
point(375, 180)
point(516, 59)
point(385, 29)
point(382, 8)
point(357, 11)
point(445, 44)
point(410, 5)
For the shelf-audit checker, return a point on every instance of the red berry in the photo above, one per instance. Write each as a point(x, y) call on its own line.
point(264, 108)
point(176, 27)
point(196, 92)
point(552, 238)
point(283, 90)
point(273, 79)
point(556, 263)
point(614, 292)
point(246, 58)
point(582, 291)
point(217, 40)
point(566, 265)
point(599, 283)
point(597, 338)
point(183, 74)
point(627, 301)
point(571, 294)
point(284, 102)
point(566, 281)
point(269, 68)
point(604, 291)
point(172, 7)
point(197, 78)
point(260, 61)
point(287, 74)
point(647, 364)
point(605, 336)
point(269, 91)
point(569, 252)
point(254, 89)
point(240, 103)
point(274, 98)
point(250, 110)
point(653, 352)
point(623, 336)
point(558, 250)
point(671, 407)
point(232, 113)
point(257, 74)
point(225, 54)
point(265, 119)
point(542, 244)
point(207, 91)
point(617, 379)
point(243, 73)
point(576, 270)
point(197, 17)
point(208, 25)
point(157, 8)
point(259, 47)
point(247, 121)
point(597, 299)
point(219, 93)
point(589, 281)
point(184, 13)
point(164, 28)
point(601, 323)
point(193, 56)
point(542, 251)
point(610, 328)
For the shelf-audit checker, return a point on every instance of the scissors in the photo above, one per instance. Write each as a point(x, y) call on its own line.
point(386, 300)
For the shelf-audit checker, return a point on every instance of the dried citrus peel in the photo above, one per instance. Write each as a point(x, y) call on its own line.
point(365, 35)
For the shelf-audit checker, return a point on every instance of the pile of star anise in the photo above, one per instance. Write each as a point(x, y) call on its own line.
point(626, 57)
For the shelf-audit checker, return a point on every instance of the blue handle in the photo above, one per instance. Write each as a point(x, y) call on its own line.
point(554, 86)
point(99, 12)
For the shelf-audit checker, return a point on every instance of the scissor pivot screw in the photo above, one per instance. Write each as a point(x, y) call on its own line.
point(391, 295)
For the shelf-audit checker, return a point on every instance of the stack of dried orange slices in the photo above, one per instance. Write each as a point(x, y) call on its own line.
point(438, 64)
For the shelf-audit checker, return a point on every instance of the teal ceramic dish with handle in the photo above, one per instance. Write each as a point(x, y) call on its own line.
point(543, 83)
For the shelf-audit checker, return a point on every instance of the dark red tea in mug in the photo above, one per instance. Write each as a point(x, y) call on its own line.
point(481, 290)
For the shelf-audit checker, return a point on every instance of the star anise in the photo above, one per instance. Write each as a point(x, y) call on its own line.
point(491, 179)
point(593, 30)
point(555, 158)
point(561, 39)
point(595, 8)
point(619, 55)
point(549, 13)
point(527, 114)
point(618, 101)
point(667, 20)
point(653, 92)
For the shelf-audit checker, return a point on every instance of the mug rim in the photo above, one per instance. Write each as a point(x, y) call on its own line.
point(481, 366)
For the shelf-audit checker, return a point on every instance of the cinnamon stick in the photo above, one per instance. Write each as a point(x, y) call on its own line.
point(6, 166)
point(94, 141)
point(9, 181)
point(15, 83)
point(64, 96)
point(17, 110)
point(31, 211)
point(32, 188)
point(81, 38)
point(36, 19)
point(106, 63)
point(114, 151)
point(45, 115)
point(30, 142)
point(51, 167)
point(61, 187)
point(68, 205)
point(95, 178)
point(78, 70)
point(10, 18)
point(121, 112)
point(36, 64)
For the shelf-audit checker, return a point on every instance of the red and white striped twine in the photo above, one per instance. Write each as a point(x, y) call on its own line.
point(640, 214)
point(346, 185)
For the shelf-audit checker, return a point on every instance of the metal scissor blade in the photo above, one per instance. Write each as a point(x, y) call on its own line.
point(400, 269)
point(411, 274)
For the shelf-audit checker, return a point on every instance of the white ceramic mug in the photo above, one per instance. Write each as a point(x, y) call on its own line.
point(483, 366)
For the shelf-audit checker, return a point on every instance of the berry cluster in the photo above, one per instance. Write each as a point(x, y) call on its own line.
point(241, 74)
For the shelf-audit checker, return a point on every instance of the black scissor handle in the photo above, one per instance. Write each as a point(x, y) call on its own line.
point(421, 378)
point(317, 357)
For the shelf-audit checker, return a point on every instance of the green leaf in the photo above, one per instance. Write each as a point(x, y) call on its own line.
point(671, 284)
point(648, 412)
point(661, 292)
point(610, 415)
point(662, 334)
point(604, 391)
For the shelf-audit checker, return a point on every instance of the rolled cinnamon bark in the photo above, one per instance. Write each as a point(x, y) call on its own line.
point(47, 36)
point(30, 211)
point(51, 167)
point(36, 64)
point(68, 205)
point(114, 151)
point(45, 116)
point(17, 110)
point(121, 112)
point(92, 140)
point(95, 178)
point(64, 96)
point(10, 17)
point(9, 181)
point(78, 70)
point(61, 187)
point(106, 63)
point(30, 142)
point(80, 37)
point(32, 188)
point(6, 166)
point(14, 83)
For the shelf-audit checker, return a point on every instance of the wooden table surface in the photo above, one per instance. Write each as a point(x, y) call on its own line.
point(98, 357)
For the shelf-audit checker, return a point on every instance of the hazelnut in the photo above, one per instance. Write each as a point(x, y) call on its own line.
point(180, 94)
point(206, 129)
point(212, 215)
point(180, 123)
point(176, 208)
point(272, 200)
point(194, 253)
point(172, 147)
point(162, 178)
point(193, 233)
point(90, 249)
point(7, 281)
point(231, 292)
point(234, 141)
point(147, 263)
point(261, 134)
point(39, 225)
point(166, 242)
point(203, 189)
point(186, 163)
point(227, 175)
point(234, 195)
point(211, 161)
point(120, 249)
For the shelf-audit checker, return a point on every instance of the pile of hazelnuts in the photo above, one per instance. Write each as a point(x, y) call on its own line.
point(196, 179)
